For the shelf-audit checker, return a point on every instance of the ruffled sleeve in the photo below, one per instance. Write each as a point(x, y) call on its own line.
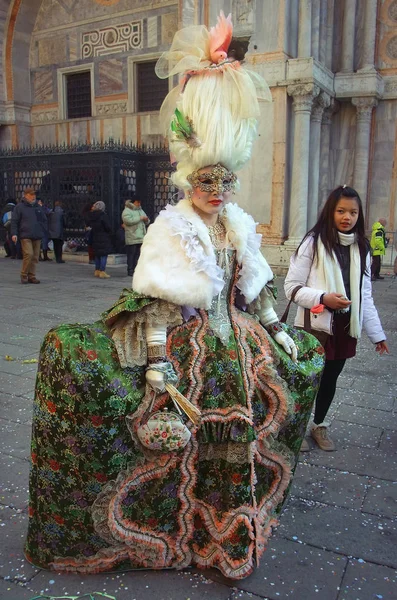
point(127, 321)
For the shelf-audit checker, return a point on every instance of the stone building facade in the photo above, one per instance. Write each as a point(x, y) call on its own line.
point(331, 66)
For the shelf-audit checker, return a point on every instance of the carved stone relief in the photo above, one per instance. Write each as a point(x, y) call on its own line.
point(390, 87)
point(111, 108)
point(391, 48)
point(112, 39)
point(48, 116)
point(392, 11)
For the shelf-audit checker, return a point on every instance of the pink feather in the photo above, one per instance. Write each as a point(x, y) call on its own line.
point(220, 38)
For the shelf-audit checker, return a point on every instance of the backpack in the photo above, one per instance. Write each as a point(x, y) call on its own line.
point(6, 219)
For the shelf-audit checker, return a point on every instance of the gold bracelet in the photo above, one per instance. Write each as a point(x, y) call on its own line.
point(156, 351)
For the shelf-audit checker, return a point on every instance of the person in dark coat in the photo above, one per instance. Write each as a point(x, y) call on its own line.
point(44, 242)
point(28, 224)
point(56, 226)
point(9, 246)
point(101, 237)
point(86, 214)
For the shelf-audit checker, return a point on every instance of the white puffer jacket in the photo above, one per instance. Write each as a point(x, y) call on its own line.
point(302, 271)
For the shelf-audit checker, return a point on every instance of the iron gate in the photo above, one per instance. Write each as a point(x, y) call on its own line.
point(79, 174)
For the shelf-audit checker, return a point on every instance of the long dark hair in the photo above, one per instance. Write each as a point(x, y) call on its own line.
point(325, 227)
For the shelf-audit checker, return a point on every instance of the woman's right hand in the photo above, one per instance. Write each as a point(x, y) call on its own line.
point(336, 301)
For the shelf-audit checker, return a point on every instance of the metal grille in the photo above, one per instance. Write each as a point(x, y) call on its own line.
point(162, 188)
point(151, 90)
point(78, 93)
point(80, 174)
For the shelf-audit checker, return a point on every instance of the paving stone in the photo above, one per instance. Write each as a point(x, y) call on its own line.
point(349, 532)
point(16, 408)
point(10, 383)
point(345, 381)
point(365, 416)
point(15, 438)
point(366, 581)
point(133, 585)
point(299, 571)
point(388, 442)
point(360, 398)
point(16, 367)
point(13, 564)
point(381, 498)
point(10, 332)
point(351, 434)
point(374, 385)
point(361, 461)
point(329, 485)
point(292, 570)
point(10, 590)
point(18, 352)
point(14, 475)
point(240, 595)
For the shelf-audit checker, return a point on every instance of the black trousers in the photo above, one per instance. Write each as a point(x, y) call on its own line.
point(58, 245)
point(133, 253)
point(326, 393)
point(375, 266)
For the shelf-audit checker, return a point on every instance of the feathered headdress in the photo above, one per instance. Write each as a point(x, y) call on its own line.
point(210, 117)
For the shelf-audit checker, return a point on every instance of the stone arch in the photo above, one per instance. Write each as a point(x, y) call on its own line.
point(18, 26)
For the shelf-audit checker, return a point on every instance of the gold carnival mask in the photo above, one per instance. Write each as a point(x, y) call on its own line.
point(218, 179)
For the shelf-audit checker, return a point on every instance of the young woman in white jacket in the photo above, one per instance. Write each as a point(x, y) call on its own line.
point(331, 268)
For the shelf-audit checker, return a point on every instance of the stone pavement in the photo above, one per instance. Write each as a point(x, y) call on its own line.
point(337, 538)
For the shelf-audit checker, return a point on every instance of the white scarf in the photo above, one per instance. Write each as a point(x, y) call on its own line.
point(331, 280)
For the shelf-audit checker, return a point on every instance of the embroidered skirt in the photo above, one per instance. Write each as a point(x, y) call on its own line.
point(98, 502)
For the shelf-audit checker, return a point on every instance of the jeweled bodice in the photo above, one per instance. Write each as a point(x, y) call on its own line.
point(218, 314)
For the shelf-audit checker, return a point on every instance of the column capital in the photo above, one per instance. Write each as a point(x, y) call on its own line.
point(303, 95)
point(321, 102)
point(330, 110)
point(364, 107)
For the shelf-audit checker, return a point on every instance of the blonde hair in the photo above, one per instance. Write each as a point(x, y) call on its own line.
point(224, 137)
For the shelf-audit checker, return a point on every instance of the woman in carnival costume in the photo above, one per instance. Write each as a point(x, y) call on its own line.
point(117, 482)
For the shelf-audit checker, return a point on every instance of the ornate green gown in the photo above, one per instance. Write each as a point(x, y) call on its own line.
point(99, 502)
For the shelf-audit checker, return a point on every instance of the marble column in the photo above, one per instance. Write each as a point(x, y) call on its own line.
point(326, 168)
point(348, 36)
point(364, 108)
point(319, 104)
point(305, 29)
point(330, 4)
point(367, 59)
point(303, 95)
point(316, 10)
point(322, 53)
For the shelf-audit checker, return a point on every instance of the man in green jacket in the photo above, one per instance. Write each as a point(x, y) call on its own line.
point(135, 221)
point(378, 246)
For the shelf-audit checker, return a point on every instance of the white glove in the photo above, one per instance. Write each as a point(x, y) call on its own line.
point(156, 335)
point(287, 343)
